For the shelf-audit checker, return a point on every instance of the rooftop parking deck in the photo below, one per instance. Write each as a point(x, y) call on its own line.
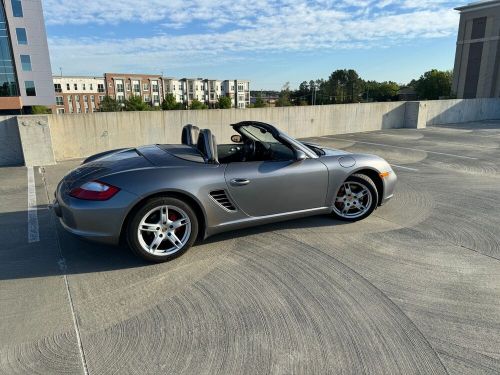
point(415, 288)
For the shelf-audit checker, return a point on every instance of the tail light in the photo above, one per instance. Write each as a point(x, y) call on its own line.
point(94, 191)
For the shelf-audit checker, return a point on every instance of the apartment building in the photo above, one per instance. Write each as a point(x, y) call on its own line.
point(212, 92)
point(25, 74)
point(477, 59)
point(239, 92)
point(121, 87)
point(78, 94)
point(192, 88)
point(173, 86)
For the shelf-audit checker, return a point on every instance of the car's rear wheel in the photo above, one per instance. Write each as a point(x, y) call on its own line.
point(356, 198)
point(162, 229)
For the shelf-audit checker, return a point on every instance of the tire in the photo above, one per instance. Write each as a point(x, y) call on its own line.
point(363, 193)
point(162, 229)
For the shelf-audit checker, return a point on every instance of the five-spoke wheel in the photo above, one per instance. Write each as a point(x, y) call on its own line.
point(356, 198)
point(163, 228)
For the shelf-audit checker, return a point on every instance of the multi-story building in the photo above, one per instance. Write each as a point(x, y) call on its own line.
point(192, 89)
point(477, 60)
point(212, 92)
point(173, 86)
point(123, 86)
point(239, 92)
point(25, 74)
point(78, 94)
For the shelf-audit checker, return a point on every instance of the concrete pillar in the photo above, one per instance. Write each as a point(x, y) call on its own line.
point(36, 141)
point(415, 115)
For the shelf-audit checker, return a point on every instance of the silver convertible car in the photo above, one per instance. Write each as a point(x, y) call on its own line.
point(161, 198)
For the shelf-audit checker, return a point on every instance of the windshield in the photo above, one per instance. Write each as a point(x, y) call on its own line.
point(258, 134)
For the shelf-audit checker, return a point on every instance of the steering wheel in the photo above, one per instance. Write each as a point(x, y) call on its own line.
point(249, 149)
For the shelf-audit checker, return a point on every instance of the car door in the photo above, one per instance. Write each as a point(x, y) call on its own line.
point(261, 188)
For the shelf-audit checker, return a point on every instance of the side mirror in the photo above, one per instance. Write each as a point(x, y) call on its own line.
point(300, 155)
point(236, 138)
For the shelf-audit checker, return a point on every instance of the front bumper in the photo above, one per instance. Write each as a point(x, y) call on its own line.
point(99, 221)
point(389, 187)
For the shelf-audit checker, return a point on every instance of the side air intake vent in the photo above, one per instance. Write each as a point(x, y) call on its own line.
point(222, 199)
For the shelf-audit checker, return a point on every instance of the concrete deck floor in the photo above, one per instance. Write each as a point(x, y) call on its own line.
point(413, 289)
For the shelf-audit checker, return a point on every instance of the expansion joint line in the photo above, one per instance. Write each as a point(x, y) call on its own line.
point(63, 268)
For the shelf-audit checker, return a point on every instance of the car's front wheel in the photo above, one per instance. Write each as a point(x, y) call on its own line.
point(356, 198)
point(162, 229)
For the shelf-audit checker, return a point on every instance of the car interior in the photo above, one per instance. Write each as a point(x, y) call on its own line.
point(253, 143)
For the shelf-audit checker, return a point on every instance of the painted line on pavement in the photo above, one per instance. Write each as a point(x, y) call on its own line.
point(33, 228)
point(403, 148)
point(408, 168)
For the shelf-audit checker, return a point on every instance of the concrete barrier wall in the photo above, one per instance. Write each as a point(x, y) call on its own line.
point(81, 135)
point(460, 110)
point(11, 151)
point(42, 140)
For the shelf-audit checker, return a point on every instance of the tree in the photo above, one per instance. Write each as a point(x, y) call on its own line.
point(345, 86)
point(40, 110)
point(434, 84)
point(108, 104)
point(284, 96)
point(196, 104)
point(135, 103)
point(259, 102)
point(224, 102)
point(169, 103)
point(381, 91)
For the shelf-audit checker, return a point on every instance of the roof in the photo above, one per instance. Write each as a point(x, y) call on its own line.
point(479, 5)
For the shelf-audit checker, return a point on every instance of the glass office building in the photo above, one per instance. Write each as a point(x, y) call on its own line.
point(8, 78)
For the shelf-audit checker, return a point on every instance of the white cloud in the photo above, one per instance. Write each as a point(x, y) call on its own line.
point(259, 26)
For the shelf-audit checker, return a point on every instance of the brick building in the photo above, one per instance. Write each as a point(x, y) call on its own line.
point(122, 86)
point(78, 94)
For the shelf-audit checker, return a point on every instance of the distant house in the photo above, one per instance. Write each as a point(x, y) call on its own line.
point(407, 94)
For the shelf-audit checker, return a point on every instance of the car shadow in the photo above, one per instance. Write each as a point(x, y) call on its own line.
point(58, 252)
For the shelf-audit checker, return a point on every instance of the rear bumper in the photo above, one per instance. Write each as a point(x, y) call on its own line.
point(99, 221)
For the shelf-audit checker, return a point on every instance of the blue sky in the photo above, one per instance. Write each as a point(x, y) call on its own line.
point(267, 42)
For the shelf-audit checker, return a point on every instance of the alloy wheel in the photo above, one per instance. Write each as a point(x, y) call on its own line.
point(353, 200)
point(164, 230)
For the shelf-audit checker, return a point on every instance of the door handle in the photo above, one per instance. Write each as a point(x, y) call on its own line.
point(240, 181)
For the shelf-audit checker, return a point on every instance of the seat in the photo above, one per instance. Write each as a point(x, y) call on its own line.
point(190, 135)
point(207, 145)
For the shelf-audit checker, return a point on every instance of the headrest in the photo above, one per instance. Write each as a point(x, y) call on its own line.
point(190, 135)
point(207, 146)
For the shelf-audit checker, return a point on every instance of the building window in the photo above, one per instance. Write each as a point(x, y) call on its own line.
point(119, 86)
point(22, 38)
point(26, 63)
point(146, 99)
point(59, 100)
point(100, 87)
point(85, 99)
point(78, 110)
point(75, 86)
point(68, 87)
point(101, 98)
point(77, 98)
point(30, 88)
point(154, 84)
point(83, 87)
point(70, 100)
point(128, 86)
point(17, 8)
point(60, 111)
point(57, 87)
point(91, 87)
point(145, 87)
point(92, 98)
